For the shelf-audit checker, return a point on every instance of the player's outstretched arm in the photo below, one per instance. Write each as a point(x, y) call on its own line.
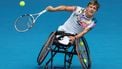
point(60, 8)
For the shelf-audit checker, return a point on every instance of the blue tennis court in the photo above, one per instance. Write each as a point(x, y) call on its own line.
point(20, 50)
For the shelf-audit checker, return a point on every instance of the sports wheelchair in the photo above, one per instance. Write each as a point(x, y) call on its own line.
point(79, 48)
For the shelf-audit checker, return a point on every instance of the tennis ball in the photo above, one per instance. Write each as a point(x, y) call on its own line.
point(22, 3)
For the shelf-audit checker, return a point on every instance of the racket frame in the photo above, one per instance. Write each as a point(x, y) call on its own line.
point(33, 20)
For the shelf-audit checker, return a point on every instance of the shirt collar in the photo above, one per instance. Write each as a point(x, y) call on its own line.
point(84, 15)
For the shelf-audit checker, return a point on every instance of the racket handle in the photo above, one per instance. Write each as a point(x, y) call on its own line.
point(42, 12)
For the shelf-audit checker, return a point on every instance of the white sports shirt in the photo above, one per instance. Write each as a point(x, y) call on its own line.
point(76, 22)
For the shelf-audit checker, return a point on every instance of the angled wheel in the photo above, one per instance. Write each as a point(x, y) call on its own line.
point(45, 49)
point(83, 53)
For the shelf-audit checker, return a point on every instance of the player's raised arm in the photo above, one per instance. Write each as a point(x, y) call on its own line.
point(61, 8)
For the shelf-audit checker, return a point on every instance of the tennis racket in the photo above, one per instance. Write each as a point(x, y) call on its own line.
point(26, 21)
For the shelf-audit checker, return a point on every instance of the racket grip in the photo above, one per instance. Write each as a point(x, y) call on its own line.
point(42, 12)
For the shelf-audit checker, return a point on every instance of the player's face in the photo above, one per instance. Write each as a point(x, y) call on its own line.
point(90, 10)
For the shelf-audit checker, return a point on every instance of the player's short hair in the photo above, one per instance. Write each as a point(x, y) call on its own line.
point(94, 2)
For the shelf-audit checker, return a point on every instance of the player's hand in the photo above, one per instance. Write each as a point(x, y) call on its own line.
point(72, 39)
point(49, 8)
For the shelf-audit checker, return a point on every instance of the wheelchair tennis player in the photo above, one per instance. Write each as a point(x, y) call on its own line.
point(79, 23)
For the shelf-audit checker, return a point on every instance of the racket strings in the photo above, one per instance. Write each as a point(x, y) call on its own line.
point(23, 23)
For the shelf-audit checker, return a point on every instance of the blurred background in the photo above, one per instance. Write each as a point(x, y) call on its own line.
point(20, 50)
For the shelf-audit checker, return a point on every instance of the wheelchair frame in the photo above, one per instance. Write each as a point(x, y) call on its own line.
point(54, 47)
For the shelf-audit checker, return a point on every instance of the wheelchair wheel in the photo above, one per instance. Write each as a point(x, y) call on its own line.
point(45, 49)
point(83, 53)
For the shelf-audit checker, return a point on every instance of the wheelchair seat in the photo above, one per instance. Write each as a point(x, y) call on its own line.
point(62, 38)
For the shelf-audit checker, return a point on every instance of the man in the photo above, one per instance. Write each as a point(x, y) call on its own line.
point(80, 21)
